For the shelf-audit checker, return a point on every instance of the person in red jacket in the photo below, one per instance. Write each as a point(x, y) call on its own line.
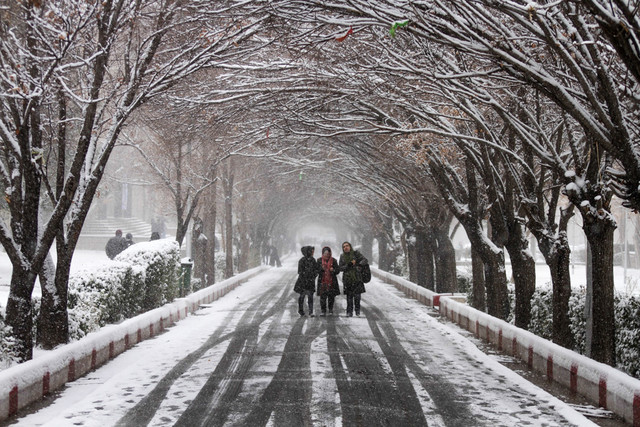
point(327, 280)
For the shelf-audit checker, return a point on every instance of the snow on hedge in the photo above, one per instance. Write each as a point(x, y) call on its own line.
point(141, 278)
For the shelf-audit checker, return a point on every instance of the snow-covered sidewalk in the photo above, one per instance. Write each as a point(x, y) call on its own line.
point(248, 358)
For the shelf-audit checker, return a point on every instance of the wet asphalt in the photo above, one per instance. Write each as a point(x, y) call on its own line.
point(392, 366)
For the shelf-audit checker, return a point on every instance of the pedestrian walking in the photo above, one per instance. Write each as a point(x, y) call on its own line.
point(328, 288)
point(115, 245)
point(306, 283)
point(351, 263)
point(274, 259)
point(266, 251)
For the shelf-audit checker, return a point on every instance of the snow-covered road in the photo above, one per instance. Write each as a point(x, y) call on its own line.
point(250, 359)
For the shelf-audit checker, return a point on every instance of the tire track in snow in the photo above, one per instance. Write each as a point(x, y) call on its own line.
point(449, 404)
point(211, 406)
point(369, 393)
point(142, 413)
point(286, 399)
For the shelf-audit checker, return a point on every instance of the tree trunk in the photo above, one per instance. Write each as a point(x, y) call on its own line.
point(430, 264)
point(384, 259)
point(494, 269)
point(209, 227)
point(557, 254)
point(424, 260)
point(496, 283)
point(524, 272)
point(412, 254)
point(18, 312)
point(53, 320)
point(561, 280)
point(446, 275)
point(200, 244)
point(479, 294)
point(243, 257)
point(228, 220)
point(367, 245)
point(599, 232)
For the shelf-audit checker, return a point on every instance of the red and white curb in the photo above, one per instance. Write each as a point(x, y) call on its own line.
point(33, 380)
point(601, 384)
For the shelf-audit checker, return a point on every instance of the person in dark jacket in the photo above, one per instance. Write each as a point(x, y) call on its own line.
point(305, 285)
point(351, 262)
point(128, 241)
point(274, 259)
point(115, 245)
point(327, 280)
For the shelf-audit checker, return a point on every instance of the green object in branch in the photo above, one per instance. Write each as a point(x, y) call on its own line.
point(397, 25)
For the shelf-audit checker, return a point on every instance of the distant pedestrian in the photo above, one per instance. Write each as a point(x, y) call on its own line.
point(115, 245)
point(305, 285)
point(351, 262)
point(129, 240)
point(154, 236)
point(274, 259)
point(327, 280)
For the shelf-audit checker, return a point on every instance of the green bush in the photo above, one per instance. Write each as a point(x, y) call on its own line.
point(140, 279)
point(627, 313)
point(8, 351)
point(541, 313)
point(160, 261)
point(220, 263)
point(628, 335)
point(105, 295)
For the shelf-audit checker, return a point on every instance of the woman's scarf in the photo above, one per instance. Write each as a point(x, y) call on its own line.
point(327, 264)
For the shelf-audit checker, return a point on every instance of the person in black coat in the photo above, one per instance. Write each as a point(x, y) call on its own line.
point(115, 245)
point(305, 285)
point(351, 262)
point(327, 280)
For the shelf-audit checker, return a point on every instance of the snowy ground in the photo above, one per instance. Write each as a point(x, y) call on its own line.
point(249, 359)
point(81, 260)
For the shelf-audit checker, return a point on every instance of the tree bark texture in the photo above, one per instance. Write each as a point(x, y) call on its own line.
point(445, 257)
point(228, 219)
point(479, 292)
point(599, 232)
point(524, 273)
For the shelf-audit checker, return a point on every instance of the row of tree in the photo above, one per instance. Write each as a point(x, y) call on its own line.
point(508, 107)
point(386, 117)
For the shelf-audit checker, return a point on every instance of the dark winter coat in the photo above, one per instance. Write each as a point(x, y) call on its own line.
point(114, 246)
point(332, 289)
point(307, 271)
point(351, 276)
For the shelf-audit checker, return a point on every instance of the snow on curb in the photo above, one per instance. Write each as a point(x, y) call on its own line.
point(412, 290)
point(601, 384)
point(28, 382)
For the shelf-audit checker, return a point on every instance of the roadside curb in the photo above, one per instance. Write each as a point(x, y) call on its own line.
point(33, 380)
point(601, 384)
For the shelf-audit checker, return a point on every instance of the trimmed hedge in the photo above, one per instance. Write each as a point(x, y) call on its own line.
point(627, 313)
point(141, 278)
